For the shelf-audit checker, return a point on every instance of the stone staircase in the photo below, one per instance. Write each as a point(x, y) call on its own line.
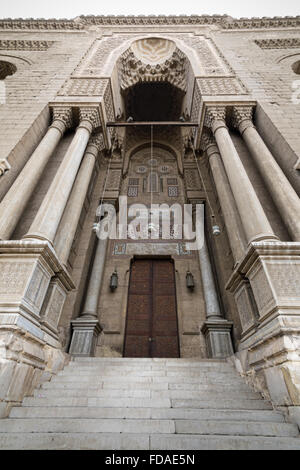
point(140, 404)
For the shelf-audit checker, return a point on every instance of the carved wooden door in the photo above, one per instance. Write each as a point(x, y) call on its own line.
point(151, 328)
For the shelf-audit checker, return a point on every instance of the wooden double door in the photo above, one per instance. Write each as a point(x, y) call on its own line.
point(151, 325)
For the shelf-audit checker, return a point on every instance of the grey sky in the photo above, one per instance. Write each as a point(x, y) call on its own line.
point(73, 8)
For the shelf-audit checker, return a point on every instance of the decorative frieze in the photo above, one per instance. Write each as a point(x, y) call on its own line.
point(24, 45)
point(284, 43)
point(80, 23)
point(56, 25)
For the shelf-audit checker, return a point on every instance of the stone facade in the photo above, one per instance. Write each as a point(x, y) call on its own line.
point(66, 82)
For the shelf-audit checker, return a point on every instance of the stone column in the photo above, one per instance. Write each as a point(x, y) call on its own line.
point(86, 328)
point(69, 222)
point(48, 217)
point(232, 220)
point(216, 329)
point(16, 199)
point(254, 219)
point(281, 191)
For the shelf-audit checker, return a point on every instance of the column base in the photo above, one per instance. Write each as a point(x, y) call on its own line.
point(84, 337)
point(269, 350)
point(218, 338)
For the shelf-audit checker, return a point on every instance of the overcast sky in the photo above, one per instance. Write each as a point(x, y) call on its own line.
point(73, 8)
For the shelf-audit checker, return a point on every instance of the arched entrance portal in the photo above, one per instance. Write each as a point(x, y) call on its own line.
point(151, 327)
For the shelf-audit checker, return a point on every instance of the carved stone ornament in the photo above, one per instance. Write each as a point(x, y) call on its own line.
point(96, 144)
point(284, 43)
point(24, 45)
point(4, 166)
point(90, 117)
point(214, 113)
point(163, 62)
point(62, 118)
point(207, 139)
point(242, 117)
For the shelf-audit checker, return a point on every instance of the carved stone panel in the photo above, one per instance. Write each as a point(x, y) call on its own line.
point(244, 307)
point(84, 87)
point(262, 291)
point(53, 304)
point(220, 86)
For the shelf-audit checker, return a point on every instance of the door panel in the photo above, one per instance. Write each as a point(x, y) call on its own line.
point(151, 329)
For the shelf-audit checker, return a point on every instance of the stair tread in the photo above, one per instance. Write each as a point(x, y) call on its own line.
point(133, 403)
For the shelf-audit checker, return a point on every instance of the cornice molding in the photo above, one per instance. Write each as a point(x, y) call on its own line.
point(81, 22)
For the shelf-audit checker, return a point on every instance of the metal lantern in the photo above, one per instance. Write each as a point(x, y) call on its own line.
point(113, 281)
point(216, 230)
point(190, 284)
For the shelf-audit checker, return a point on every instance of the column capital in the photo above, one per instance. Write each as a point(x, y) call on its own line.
point(62, 118)
point(242, 117)
point(89, 118)
point(208, 143)
point(215, 118)
point(96, 144)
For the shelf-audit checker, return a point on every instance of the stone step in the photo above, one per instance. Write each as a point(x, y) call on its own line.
point(155, 394)
point(111, 441)
point(140, 360)
point(125, 385)
point(207, 442)
point(36, 425)
point(74, 441)
point(148, 426)
point(235, 404)
point(146, 413)
point(234, 428)
point(176, 378)
point(126, 371)
point(100, 402)
point(154, 366)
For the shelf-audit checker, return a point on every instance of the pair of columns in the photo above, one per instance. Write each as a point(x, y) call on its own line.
point(68, 189)
point(234, 187)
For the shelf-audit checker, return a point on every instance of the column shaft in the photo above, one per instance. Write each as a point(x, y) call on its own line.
point(231, 218)
point(209, 288)
point(282, 193)
point(16, 199)
point(95, 281)
point(254, 219)
point(69, 222)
